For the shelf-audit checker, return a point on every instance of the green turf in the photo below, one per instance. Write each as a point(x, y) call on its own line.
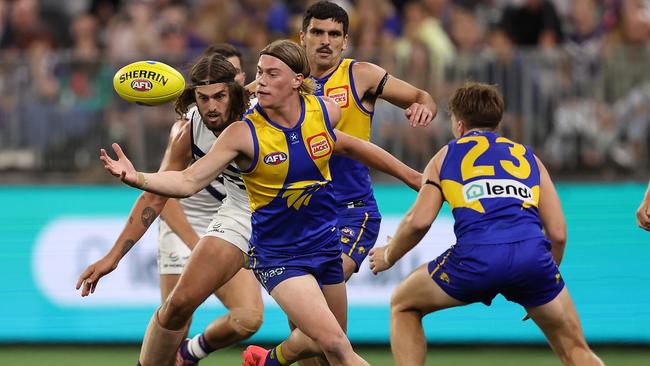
point(483, 356)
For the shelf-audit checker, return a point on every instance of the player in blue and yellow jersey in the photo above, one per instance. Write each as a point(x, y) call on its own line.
point(283, 150)
point(510, 233)
point(355, 86)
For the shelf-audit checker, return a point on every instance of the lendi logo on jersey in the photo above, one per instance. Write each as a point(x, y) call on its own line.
point(319, 146)
point(275, 158)
point(141, 85)
point(497, 188)
point(340, 95)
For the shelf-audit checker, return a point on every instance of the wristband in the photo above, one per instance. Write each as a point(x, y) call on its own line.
point(141, 180)
point(386, 257)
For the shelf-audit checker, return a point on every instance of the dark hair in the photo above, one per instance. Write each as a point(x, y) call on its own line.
point(323, 10)
point(224, 49)
point(293, 56)
point(209, 69)
point(477, 105)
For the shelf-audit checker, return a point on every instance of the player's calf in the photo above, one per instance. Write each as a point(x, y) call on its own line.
point(159, 344)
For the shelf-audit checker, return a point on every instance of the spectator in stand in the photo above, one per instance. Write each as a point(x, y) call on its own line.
point(534, 23)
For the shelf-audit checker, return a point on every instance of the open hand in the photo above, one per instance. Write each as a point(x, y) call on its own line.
point(418, 114)
point(91, 275)
point(121, 168)
point(378, 258)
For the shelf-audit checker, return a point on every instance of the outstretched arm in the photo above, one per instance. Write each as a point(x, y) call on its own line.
point(376, 158)
point(419, 106)
point(643, 213)
point(233, 141)
point(144, 212)
point(550, 212)
point(417, 221)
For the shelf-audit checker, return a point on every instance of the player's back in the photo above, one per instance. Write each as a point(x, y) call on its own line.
point(492, 186)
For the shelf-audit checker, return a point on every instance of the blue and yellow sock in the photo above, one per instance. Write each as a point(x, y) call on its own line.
point(275, 357)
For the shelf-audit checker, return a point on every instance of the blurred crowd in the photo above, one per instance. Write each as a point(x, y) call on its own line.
point(575, 74)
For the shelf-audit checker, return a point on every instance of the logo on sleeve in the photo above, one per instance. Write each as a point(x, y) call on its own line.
point(319, 146)
point(275, 158)
point(339, 94)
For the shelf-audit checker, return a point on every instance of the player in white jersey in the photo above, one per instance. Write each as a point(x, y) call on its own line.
point(218, 103)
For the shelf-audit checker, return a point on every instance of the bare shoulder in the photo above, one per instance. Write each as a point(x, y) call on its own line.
point(333, 110)
point(238, 132)
point(367, 76)
point(180, 132)
point(367, 69)
point(441, 154)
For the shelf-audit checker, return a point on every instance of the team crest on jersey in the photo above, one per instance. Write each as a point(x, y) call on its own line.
point(275, 158)
point(340, 95)
point(299, 194)
point(319, 146)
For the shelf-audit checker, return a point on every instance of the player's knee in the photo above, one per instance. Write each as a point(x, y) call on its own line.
point(334, 343)
point(245, 322)
point(177, 309)
point(398, 301)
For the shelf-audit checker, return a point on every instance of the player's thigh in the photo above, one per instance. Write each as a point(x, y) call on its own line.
point(337, 301)
point(241, 291)
point(173, 255)
point(304, 303)
point(558, 319)
point(419, 292)
point(213, 262)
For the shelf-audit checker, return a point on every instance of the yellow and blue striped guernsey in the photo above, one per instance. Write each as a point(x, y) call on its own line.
point(492, 187)
point(288, 182)
point(351, 179)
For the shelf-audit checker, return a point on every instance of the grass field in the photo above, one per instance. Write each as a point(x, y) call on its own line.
point(438, 356)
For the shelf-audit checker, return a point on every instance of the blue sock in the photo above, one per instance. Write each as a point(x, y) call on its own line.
point(275, 357)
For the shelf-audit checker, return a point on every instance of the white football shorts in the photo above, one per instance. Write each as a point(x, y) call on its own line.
point(231, 224)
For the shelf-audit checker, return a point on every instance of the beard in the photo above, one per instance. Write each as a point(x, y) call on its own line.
point(217, 125)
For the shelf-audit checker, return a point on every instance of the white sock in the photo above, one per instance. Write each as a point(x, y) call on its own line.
point(194, 347)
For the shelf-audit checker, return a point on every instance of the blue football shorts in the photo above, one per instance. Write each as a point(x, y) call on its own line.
point(359, 228)
point(523, 272)
point(326, 266)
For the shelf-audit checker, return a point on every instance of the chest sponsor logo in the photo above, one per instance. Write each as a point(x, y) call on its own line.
point(319, 146)
point(275, 158)
point(141, 85)
point(340, 94)
point(497, 188)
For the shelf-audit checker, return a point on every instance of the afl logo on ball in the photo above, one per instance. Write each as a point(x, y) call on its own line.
point(141, 85)
point(275, 158)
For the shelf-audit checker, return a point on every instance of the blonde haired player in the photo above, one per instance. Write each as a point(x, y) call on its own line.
point(283, 149)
